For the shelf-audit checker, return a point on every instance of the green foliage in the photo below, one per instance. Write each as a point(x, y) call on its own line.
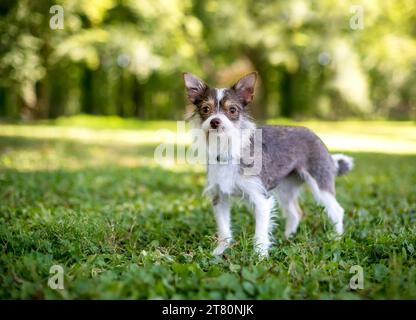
point(123, 227)
point(126, 57)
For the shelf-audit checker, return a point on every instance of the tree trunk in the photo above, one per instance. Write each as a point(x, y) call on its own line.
point(87, 105)
point(42, 107)
point(286, 90)
point(259, 107)
point(138, 99)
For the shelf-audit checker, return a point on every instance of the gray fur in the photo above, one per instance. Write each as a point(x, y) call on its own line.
point(289, 151)
point(343, 167)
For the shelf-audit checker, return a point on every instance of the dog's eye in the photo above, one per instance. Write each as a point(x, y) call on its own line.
point(205, 110)
point(232, 110)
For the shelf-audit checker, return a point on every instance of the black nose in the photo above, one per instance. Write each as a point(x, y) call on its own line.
point(215, 123)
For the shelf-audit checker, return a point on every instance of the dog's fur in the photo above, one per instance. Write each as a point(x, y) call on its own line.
point(290, 156)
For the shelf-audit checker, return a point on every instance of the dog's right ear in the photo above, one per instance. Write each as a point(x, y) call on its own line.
point(245, 87)
point(195, 87)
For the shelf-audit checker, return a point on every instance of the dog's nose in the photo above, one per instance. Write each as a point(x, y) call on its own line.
point(215, 123)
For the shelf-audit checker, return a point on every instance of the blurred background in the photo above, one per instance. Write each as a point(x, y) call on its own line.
point(316, 59)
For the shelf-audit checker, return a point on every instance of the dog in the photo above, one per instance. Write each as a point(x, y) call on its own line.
point(290, 157)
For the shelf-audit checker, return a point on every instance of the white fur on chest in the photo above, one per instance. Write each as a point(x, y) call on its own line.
point(222, 177)
point(228, 179)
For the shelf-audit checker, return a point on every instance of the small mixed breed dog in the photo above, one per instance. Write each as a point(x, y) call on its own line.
point(290, 157)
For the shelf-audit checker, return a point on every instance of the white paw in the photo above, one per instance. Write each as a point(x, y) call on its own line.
point(339, 229)
point(289, 233)
point(219, 250)
point(262, 250)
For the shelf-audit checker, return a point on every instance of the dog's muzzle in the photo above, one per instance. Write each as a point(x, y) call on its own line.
point(215, 123)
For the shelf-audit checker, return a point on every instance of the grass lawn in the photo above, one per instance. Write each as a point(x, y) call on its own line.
point(86, 194)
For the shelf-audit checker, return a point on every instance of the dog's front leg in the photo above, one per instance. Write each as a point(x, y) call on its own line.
point(263, 207)
point(263, 203)
point(221, 204)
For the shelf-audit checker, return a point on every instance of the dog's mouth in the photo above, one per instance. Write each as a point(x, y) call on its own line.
point(216, 130)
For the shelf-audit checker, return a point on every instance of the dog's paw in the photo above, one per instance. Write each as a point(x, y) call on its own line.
point(339, 229)
point(262, 250)
point(222, 246)
point(219, 250)
point(289, 234)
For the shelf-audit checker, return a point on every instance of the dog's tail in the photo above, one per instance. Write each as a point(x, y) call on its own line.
point(343, 163)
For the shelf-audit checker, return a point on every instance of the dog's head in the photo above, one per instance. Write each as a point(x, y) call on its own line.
point(220, 109)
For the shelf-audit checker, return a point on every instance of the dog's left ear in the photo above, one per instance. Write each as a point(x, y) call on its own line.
point(245, 87)
point(195, 87)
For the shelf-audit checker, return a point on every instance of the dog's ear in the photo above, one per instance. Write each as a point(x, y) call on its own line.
point(195, 87)
point(245, 87)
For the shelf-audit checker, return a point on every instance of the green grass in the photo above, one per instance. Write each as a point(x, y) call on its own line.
point(94, 201)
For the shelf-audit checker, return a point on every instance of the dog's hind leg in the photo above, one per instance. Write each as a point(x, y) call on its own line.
point(323, 191)
point(288, 193)
point(334, 210)
point(222, 212)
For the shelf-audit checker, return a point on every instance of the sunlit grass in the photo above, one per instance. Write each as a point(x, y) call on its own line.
point(355, 136)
